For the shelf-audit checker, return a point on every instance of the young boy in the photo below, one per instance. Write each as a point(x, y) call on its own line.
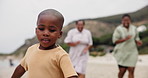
point(45, 59)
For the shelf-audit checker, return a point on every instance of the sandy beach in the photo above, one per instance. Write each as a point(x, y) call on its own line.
point(98, 67)
point(106, 67)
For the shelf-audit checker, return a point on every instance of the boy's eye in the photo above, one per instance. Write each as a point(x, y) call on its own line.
point(52, 30)
point(41, 29)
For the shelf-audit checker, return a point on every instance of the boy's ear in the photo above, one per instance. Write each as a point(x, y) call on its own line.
point(60, 34)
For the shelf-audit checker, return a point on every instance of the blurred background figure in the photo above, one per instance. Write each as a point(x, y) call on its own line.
point(126, 39)
point(80, 41)
point(10, 59)
point(11, 63)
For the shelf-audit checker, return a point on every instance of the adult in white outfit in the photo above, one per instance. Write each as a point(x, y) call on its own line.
point(80, 41)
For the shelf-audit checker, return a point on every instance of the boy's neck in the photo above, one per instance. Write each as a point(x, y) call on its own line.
point(47, 48)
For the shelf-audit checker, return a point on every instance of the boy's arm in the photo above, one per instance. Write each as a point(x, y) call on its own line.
point(19, 71)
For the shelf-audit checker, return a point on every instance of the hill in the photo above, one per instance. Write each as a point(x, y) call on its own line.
point(106, 25)
point(140, 15)
point(97, 26)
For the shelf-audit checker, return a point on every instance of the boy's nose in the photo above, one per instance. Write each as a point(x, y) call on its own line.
point(46, 33)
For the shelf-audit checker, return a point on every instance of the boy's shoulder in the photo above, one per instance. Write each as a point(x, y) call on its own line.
point(34, 46)
point(61, 50)
point(60, 53)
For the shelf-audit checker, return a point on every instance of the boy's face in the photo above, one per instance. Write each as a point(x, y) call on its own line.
point(48, 31)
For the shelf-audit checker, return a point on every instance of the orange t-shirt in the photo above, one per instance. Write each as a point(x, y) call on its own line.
point(54, 63)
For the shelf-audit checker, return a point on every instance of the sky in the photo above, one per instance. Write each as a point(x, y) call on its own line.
point(18, 17)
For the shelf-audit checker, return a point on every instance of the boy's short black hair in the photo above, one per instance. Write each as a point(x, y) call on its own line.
point(126, 15)
point(55, 13)
point(80, 20)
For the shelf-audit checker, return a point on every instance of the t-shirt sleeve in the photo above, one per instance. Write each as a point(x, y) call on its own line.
point(116, 35)
point(23, 63)
point(67, 66)
point(68, 38)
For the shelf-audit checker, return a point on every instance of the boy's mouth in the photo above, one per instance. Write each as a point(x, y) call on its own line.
point(45, 40)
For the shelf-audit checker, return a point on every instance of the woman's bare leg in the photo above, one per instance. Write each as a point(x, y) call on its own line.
point(122, 71)
point(131, 72)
